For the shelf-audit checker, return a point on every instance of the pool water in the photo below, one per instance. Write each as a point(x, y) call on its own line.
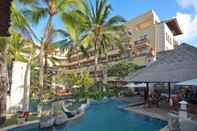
point(106, 116)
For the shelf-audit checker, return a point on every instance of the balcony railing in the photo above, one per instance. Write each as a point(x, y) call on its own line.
point(144, 42)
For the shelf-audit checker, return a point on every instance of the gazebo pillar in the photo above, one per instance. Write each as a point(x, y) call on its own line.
point(169, 91)
point(147, 94)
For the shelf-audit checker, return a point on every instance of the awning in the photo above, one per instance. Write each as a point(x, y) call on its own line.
point(189, 82)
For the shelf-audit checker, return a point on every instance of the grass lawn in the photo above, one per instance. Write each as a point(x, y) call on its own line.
point(13, 120)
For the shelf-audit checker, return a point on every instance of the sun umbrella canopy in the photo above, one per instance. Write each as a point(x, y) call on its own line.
point(189, 82)
point(132, 85)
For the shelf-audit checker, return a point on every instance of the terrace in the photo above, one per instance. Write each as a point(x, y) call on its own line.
point(170, 68)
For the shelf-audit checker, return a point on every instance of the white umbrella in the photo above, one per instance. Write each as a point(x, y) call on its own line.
point(189, 82)
point(132, 85)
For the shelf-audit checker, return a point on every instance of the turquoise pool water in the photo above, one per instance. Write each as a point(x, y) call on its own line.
point(106, 116)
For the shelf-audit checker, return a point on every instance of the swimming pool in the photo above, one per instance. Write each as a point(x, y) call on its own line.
point(106, 116)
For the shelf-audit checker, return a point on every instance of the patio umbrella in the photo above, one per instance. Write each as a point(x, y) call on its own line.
point(189, 82)
point(132, 85)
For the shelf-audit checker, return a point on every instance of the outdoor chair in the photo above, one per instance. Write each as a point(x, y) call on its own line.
point(155, 98)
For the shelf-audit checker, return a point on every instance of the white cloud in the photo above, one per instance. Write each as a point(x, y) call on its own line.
point(188, 24)
point(188, 3)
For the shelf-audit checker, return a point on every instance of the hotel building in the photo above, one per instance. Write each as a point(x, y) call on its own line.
point(147, 35)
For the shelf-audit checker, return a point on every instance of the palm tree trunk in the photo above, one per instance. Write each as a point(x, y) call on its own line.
point(41, 73)
point(78, 61)
point(3, 82)
point(95, 63)
point(105, 75)
point(45, 68)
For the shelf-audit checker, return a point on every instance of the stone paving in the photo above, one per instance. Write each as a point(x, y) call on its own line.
point(152, 112)
point(161, 113)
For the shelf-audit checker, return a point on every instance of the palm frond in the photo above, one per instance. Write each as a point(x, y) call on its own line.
point(35, 14)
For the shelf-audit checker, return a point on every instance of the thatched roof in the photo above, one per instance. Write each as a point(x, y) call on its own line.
point(4, 17)
point(172, 66)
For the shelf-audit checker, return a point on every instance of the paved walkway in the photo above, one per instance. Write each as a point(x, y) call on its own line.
point(160, 113)
point(152, 112)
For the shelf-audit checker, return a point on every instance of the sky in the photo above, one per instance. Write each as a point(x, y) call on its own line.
point(184, 10)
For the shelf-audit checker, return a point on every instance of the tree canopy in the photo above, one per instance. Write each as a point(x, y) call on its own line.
point(122, 69)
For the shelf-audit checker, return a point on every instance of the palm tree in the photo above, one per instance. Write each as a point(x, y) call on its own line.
point(73, 34)
point(4, 75)
point(99, 29)
point(38, 9)
point(20, 24)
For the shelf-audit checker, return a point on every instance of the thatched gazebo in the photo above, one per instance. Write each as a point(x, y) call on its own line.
point(172, 66)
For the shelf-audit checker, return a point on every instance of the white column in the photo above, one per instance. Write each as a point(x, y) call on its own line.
point(15, 100)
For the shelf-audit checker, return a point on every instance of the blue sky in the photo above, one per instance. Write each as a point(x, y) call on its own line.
point(131, 8)
point(185, 10)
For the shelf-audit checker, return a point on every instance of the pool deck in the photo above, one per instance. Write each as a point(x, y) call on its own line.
point(186, 125)
point(160, 113)
point(152, 112)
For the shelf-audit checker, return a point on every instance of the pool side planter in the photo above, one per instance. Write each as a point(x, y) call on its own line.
point(37, 121)
point(83, 108)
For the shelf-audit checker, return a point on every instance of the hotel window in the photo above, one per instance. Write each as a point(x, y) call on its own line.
point(168, 38)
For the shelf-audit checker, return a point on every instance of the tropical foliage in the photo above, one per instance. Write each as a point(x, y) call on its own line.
point(35, 11)
point(122, 69)
point(88, 24)
point(82, 79)
point(99, 30)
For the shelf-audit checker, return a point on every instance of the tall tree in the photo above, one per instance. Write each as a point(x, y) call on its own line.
point(74, 31)
point(19, 24)
point(36, 11)
point(4, 84)
point(4, 25)
point(99, 29)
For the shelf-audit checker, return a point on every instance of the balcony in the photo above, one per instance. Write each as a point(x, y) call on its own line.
point(142, 43)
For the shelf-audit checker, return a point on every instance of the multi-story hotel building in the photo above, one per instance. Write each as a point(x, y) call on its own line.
point(147, 35)
point(151, 35)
